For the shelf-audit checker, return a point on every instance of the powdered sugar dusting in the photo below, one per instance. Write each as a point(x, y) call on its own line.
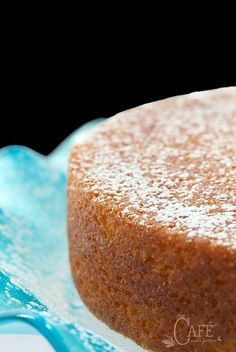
point(170, 163)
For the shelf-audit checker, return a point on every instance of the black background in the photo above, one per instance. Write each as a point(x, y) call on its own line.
point(56, 79)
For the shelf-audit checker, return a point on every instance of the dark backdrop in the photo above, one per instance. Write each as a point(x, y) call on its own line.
point(57, 79)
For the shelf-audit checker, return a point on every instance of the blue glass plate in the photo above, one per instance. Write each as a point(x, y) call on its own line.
point(35, 282)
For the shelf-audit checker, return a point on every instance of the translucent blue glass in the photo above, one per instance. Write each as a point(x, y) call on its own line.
point(35, 281)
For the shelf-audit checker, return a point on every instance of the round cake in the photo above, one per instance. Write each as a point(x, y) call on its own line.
point(152, 222)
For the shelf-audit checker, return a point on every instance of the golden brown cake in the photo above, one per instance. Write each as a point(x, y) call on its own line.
point(152, 222)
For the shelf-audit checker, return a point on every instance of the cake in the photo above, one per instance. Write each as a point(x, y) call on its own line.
point(152, 222)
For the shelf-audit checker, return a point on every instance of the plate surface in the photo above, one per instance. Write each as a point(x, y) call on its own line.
point(35, 282)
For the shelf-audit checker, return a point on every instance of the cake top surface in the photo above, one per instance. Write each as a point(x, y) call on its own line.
point(170, 163)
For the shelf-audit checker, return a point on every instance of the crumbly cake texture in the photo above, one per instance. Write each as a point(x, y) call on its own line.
point(152, 219)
